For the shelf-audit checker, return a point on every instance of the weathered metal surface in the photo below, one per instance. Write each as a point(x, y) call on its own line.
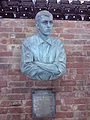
point(43, 104)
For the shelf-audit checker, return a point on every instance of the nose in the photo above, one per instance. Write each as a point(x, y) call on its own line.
point(49, 25)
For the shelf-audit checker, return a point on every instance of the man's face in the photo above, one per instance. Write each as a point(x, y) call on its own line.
point(45, 25)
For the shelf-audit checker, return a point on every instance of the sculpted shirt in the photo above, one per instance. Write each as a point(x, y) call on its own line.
point(43, 60)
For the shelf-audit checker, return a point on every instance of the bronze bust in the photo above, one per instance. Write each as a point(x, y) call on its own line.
point(43, 57)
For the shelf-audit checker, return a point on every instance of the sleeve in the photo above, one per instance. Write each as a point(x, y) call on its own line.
point(28, 67)
point(60, 61)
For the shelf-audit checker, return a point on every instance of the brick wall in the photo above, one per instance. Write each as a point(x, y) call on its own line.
point(72, 91)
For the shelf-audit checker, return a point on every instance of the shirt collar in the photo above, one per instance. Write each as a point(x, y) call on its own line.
point(40, 40)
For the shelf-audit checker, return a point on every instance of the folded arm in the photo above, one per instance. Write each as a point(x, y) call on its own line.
point(29, 66)
point(49, 67)
point(58, 67)
point(34, 69)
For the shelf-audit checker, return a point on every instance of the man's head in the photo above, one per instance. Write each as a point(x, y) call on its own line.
point(44, 22)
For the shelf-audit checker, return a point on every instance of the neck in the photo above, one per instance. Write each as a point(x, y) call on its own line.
point(43, 37)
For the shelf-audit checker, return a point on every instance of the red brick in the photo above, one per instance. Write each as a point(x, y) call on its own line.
point(56, 23)
point(13, 77)
point(10, 60)
point(13, 117)
point(4, 35)
point(17, 42)
point(82, 107)
point(21, 90)
point(65, 108)
point(68, 24)
point(23, 77)
point(81, 101)
point(86, 36)
point(30, 23)
point(64, 115)
point(28, 96)
point(3, 116)
point(3, 110)
point(80, 42)
point(14, 72)
point(85, 118)
point(77, 31)
point(16, 103)
point(55, 35)
point(6, 90)
point(5, 103)
point(16, 97)
point(29, 83)
point(77, 65)
point(18, 29)
point(3, 41)
point(28, 109)
point(87, 25)
point(88, 53)
point(3, 83)
point(88, 114)
point(66, 94)
point(58, 102)
point(67, 36)
point(80, 83)
point(68, 83)
point(56, 82)
point(80, 71)
point(86, 47)
point(81, 77)
point(69, 100)
point(3, 48)
point(20, 35)
point(28, 116)
point(5, 29)
point(87, 94)
point(28, 103)
point(43, 83)
point(6, 54)
point(17, 84)
point(58, 30)
point(88, 82)
point(64, 89)
point(17, 53)
point(15, 110)
point(78, 88)
point(80, 115)
point(9, 103)
point(5, 66)
point(80, 94)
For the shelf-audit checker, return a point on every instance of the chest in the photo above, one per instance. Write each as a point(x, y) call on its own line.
point(44, 53)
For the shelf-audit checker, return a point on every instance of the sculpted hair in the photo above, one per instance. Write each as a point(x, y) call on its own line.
point(42, 13)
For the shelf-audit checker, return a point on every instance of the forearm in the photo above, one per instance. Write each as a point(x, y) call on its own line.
point(33, 69)
point(36, 72)
point(48, 67)
point(30, 69)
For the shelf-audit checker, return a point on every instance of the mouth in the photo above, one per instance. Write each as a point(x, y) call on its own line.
point(48, 30)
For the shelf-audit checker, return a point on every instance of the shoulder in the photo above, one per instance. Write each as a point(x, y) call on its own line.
point(30, 40)
point(56, 41)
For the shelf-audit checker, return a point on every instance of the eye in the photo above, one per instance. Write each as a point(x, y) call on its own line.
point(45, 22)
point(51, 22)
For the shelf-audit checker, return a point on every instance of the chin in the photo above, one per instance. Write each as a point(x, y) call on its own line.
point(47, 34)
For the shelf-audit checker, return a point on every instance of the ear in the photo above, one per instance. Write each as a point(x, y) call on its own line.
point(37, 25)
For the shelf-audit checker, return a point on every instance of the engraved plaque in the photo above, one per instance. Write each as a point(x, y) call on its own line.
point(43, 103)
